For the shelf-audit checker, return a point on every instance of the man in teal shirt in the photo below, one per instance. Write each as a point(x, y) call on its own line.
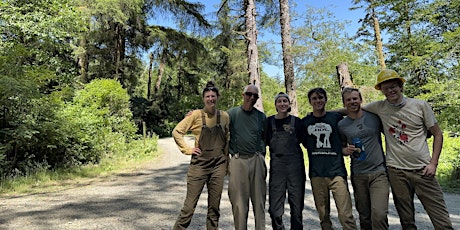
point(247, 169)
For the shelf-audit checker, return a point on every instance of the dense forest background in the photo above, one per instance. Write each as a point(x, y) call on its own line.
point(80, 79)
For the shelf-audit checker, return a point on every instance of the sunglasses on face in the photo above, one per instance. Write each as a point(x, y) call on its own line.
point(249, 94)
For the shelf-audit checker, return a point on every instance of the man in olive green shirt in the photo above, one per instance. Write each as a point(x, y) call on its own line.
point(247, 169)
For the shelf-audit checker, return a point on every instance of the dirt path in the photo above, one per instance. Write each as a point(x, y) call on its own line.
point(149, 198)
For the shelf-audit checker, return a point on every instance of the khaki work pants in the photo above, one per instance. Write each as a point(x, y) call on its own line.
point(404, 184)
point(247, 182)
point(321, 188)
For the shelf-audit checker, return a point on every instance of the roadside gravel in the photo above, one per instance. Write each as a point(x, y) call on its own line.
point(150, 198)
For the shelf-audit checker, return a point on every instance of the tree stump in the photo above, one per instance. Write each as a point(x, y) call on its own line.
point(344, 77)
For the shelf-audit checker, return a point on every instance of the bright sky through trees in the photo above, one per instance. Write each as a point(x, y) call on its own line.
point(340, 9)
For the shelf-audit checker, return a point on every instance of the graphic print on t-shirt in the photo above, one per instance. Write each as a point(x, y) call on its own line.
point(322, 132)
point(397, 130)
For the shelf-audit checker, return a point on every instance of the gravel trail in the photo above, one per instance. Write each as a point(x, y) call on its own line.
point(150, 198)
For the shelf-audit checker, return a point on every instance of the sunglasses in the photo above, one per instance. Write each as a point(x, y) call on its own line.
point(210, 89)
point(249, 94)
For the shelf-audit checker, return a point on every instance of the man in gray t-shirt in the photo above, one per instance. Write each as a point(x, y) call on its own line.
point(361, 140)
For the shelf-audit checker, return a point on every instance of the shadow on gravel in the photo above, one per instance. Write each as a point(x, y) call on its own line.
point(139, 200)
point(151, 199)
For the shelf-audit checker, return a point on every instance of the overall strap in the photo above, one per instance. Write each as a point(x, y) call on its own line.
point(203, 118)
point(218, 117)
point(272, 121)
point(292, 123)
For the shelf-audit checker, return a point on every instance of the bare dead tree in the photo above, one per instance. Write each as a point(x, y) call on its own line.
point(252, 50)
point(343, 76)
point(288, 63)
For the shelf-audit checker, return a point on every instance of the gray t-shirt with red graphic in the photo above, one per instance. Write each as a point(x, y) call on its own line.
point(405, 129)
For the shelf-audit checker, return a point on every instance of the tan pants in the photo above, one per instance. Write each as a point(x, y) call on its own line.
point(247, 182)
point(321, 187)
point(404, 185)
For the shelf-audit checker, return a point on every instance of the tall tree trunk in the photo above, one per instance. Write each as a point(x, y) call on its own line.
point(252, 51)
point(288, 63)
point(413, 51)
point(83, 61)
point(180, 74)
point(119, 53)
point(371, 17)
point(378, 40)
point(344, 76)
point(161, 70)
point(149, 82)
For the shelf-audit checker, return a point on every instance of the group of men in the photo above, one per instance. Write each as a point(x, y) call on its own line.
point(407, 167)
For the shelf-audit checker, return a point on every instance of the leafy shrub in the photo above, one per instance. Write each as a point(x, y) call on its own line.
point(29, 131)
point(100, 119)
point(43, 132)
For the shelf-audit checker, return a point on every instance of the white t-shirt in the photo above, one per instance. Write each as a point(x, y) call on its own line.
point(405, 129)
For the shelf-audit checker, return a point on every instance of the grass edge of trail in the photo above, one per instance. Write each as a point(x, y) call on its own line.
point(43, 180)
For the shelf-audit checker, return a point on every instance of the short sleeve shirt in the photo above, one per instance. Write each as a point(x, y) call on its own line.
point(405, 131)
point(324, 145)
point(247, 129)
point(368, 129)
